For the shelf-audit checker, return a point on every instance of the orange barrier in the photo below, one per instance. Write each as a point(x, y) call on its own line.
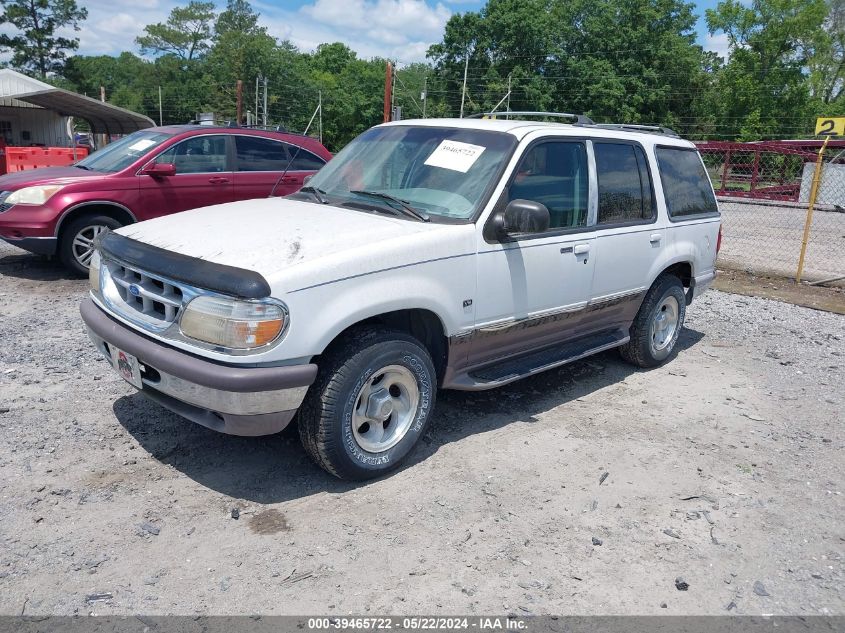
point(13, 159)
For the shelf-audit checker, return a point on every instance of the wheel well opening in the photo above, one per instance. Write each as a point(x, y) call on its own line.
point(110, 210)
point(682, 271)
point(423, 325)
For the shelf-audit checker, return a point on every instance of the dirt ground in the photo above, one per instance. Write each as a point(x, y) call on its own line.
point(593, 489)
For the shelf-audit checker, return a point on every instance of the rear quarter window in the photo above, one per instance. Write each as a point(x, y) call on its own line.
point(686, 185)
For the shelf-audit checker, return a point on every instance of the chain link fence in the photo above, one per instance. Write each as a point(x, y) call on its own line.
point(764, 191)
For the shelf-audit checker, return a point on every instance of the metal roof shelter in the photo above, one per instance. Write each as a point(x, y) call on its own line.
point(32, 99)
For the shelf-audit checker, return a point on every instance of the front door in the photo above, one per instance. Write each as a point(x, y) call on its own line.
point(203, 177)
point(532, 289)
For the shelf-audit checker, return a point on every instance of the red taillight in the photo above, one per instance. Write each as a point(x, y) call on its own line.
point(719, 240)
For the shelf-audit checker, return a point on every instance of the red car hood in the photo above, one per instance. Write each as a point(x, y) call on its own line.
point(44, 175)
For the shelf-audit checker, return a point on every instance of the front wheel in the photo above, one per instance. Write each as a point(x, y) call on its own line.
point(76, 247)
point(658, 324)
point(370, 404)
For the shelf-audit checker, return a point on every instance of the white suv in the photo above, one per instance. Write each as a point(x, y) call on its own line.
point(459, 254)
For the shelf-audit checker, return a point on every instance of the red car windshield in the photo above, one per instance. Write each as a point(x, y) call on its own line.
point(120, 154)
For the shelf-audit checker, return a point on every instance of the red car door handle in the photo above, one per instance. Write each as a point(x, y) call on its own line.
point(290, 180)
point(218, 180)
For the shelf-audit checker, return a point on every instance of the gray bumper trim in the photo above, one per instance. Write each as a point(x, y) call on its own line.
point(36, 245)
point(195, 370)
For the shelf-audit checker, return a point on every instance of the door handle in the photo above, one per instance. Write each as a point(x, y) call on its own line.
point(580, 249)
point(655, 237)
point(290, 180)
point(218, 180)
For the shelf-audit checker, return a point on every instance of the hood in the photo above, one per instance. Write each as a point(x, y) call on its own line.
point(43, 176)
point(293, 243)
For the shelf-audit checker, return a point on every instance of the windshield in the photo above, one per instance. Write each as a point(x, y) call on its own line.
point(439, 171)
point(120, 154)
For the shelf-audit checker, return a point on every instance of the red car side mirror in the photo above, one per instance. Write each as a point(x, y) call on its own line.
point(159, 170)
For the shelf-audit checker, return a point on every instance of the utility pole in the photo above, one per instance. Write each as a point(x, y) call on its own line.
point(159, 106)
point(321, 115)
point(239, 91)
point(388, 90)
point(257, 79)
point(264, 122)
point(464, 90)
point(425, 93)
point(509, 95)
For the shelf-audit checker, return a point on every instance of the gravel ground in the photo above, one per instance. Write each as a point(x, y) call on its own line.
point(724, 477)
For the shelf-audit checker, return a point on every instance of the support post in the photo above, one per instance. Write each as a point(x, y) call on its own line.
point(160, 118)
point(264, 122)
point(388, 90)
point(425, 93)
point(814, 192)
point(464, 89)
point(239, 91)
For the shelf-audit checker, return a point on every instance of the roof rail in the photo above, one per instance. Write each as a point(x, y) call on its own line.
point(632, 127)
point(579, 118)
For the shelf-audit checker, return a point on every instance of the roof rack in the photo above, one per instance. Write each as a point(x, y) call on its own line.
point(580, 119)
point(631, 127)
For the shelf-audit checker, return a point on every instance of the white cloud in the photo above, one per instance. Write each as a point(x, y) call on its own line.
point(719, 44)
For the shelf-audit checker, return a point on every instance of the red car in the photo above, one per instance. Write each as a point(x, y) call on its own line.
point(157, 171)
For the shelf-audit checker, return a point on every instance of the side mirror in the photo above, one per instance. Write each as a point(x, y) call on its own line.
point(159, 170)
point(524, 216)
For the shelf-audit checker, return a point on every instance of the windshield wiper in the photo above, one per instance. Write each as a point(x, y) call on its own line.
point(317, 193)
point(399, 204)
point(83, 167)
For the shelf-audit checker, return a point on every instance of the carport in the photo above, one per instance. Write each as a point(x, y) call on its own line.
point(34, 113)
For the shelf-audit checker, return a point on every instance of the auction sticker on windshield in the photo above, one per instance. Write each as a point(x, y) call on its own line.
point(141, 145)
point(454, 155)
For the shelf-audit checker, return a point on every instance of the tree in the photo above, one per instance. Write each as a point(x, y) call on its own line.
point(36, 47)
point(186, 34)
point(619, 60)
point(762, 91)
point(238, 17)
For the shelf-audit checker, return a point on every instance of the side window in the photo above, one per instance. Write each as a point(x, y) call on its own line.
point(624, 183)
point(555, 174)
point(305, 160)
point(197, 155)
point(686, 186)
point(253, 153)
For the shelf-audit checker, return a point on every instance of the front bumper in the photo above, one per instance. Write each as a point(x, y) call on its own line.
point(36, 245)
point(234, 400)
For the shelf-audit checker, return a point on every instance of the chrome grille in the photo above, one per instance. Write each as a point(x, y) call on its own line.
point(142, 297)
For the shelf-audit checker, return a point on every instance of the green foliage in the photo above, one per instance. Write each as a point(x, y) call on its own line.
point(763, 91)
point(186, 34)
point(35, 47)
point(615, 60)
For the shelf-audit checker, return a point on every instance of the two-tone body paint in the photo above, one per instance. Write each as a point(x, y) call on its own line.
point(334, 267)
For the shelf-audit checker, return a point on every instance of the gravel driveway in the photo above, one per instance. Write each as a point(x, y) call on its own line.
point(593, 489)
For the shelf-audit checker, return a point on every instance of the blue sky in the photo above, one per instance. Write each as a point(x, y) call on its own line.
point(398, 29)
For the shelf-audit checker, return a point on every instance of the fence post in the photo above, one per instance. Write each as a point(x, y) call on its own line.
point(814, 190)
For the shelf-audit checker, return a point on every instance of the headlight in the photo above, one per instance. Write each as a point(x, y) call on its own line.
point(33, 195)
point(94, 272)
point(233, 323)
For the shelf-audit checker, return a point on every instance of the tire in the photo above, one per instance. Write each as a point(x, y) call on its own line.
point(86, 227)
point(335, 417)
point(658, 323)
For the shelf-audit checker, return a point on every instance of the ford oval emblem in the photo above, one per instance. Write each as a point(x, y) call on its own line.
point(135, 290)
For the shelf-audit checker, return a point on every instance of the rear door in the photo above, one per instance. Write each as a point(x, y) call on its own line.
point(203, 177)
point(261, 161)
point(629, 235)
